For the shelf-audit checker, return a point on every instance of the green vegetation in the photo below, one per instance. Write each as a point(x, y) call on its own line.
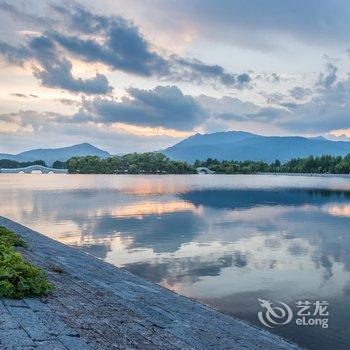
point(318, 165)
point(12, 164)
point(10, 239)
point(158, 163)
point(18, 278)
point(59, 165)
point(135, 163)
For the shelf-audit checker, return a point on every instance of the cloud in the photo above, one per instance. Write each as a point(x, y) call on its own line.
point(54, 71)
point(327, 107)
point(326, 80)
point(164, 106)
point(21, 16)
point(299, 92)
point(58, 74)
point(271, 77)
point(112, 41)
point(227, 105)
point(122, 47)
point(15, 55)
point(256, 24)
point(19, 95)
point(28, 121)
point(196, 71)
point(46, 129)
point(68, 102)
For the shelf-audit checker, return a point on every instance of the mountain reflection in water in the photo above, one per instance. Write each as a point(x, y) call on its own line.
point(225, 240)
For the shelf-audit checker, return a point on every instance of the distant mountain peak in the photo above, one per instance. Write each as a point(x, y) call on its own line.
point(321, 138)
point(241, 145)
point(49, 155)
point(216, 137)
point(85, 144)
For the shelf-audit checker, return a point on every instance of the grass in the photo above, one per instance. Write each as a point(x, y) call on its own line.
point(18, 278)
point(9, 238)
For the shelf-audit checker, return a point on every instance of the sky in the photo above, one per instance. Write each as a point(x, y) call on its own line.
point(141, 75)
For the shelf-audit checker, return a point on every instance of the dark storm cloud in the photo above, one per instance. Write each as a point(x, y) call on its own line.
point(164, 106)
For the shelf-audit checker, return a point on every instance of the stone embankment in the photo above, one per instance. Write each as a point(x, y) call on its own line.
point(98, 306)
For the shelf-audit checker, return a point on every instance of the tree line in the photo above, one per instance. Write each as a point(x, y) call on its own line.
point(325, 164)
point(158, 163)
point(134, 163)
point(153, 163)
point(13, 164)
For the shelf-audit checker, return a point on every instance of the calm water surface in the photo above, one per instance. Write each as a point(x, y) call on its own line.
point(224, 240)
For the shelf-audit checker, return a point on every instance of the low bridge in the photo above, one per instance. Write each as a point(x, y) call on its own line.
point(203, 170)
point(34, 168)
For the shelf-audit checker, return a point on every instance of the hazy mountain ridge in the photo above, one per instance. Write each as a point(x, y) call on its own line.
point(212, 139)
point(238, 145)
point(50, 155)
point(230, 145)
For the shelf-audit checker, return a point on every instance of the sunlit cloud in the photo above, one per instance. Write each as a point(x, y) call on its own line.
point(340, 132)
point(149, 131)
point(129, 63)
point(13, 128)
point(141, 209)
point(339, 210)
point(29, 32)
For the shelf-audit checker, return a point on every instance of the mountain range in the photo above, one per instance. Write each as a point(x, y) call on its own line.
point(50, 155)
point(239, 145)
point(229, 145)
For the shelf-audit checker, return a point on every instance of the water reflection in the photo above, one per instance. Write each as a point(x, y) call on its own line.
point(223, 240)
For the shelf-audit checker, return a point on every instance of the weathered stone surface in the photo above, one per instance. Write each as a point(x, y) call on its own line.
point(73, 343)
point(49, 345)
point(14, 303)
point(97, 306)
point(10, 338)
point(30, 323)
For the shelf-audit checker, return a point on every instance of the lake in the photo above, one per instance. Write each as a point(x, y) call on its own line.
point(224, 240)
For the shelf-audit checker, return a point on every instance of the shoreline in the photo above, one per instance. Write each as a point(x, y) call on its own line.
point(304, 174)
point(169, 174)
point(99, 306)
